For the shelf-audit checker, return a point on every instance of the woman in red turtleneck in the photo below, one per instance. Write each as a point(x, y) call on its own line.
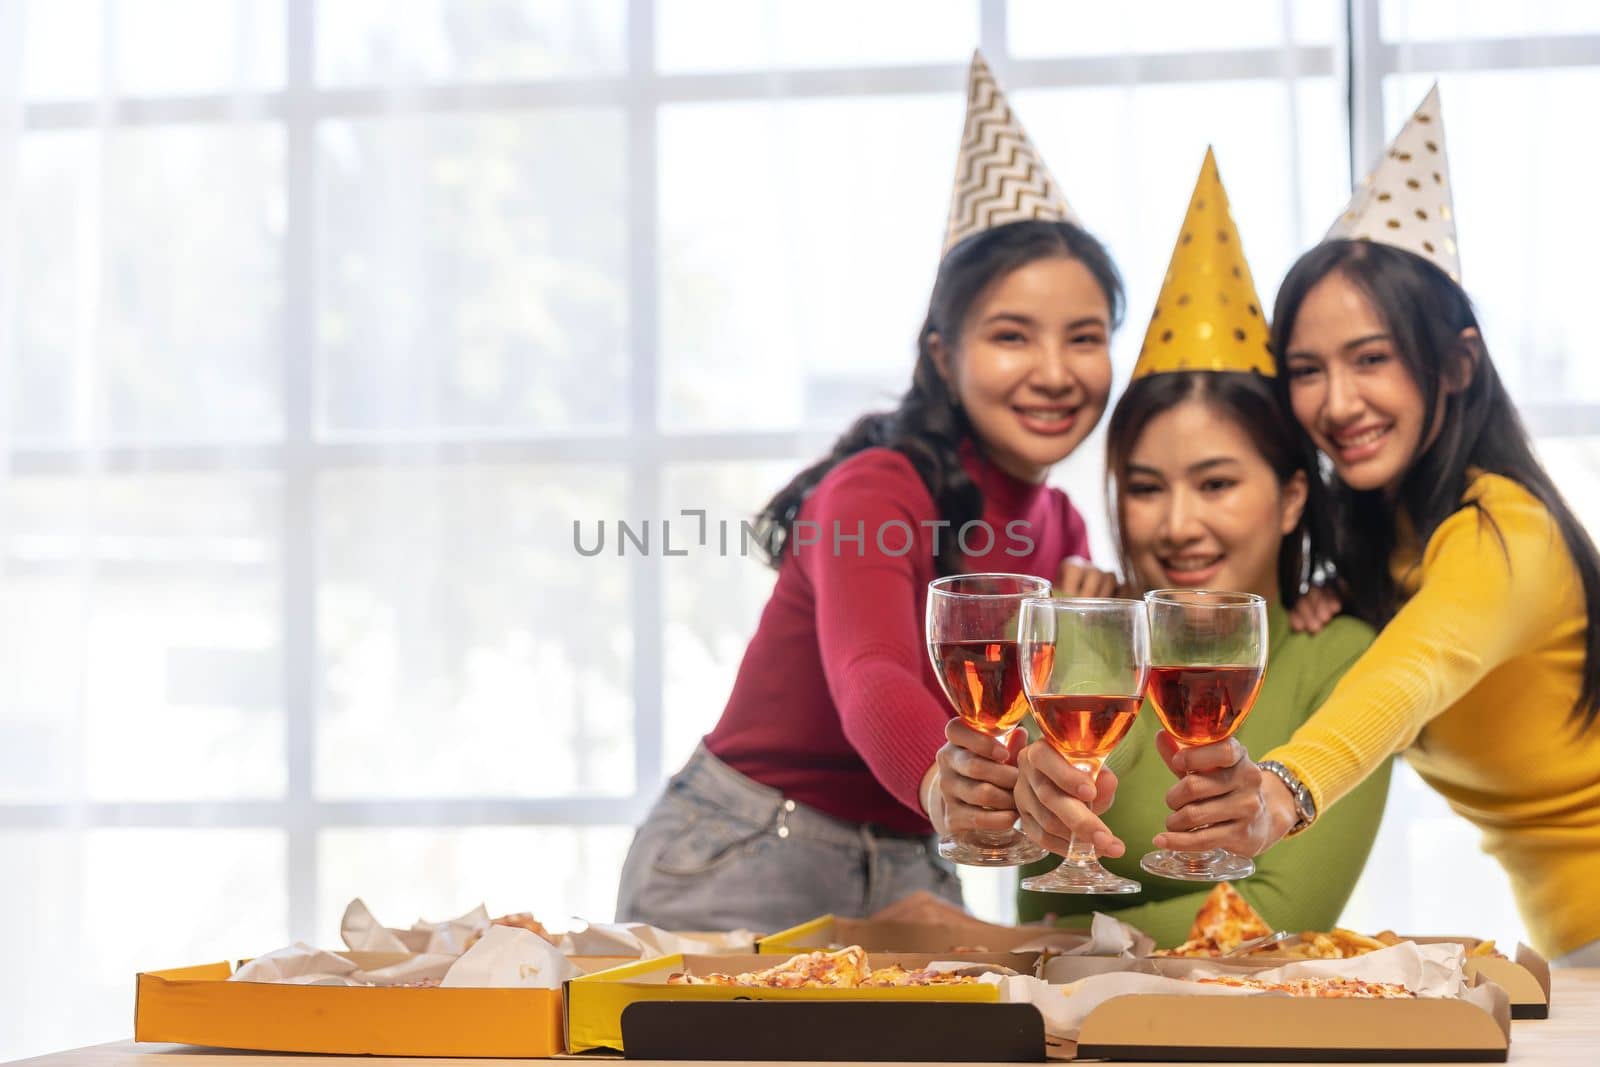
point(807, 796)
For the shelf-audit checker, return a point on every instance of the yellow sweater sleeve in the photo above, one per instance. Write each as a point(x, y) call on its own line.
point(1490, 590)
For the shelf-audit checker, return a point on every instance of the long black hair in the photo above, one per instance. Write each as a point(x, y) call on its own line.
point(1425, 312)
point(1243, 397)
point(928, 426)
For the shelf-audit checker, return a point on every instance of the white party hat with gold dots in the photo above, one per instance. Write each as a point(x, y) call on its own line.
point(1405, 201)
point(999, 175)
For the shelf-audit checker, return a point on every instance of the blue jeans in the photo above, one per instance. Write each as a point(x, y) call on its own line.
point(721, 852)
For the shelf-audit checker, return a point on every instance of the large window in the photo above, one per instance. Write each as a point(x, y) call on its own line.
point(321, 321)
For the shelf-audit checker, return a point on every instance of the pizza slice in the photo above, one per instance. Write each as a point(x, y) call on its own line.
point(845, 969)
point(1316, 987)
point(522, 920)
point(1227, 919)
point(1194, 947)
point(812, 970)
point(896, 975)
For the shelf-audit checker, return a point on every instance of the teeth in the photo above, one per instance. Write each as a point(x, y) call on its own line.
point(1049, 415)
point(1364, 439)
point(1182, 566)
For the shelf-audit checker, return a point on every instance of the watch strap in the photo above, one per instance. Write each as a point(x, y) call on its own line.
point(1305, 807)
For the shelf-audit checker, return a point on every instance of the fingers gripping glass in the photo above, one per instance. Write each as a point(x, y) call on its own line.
point(1094, 657)
point(1208, 652)
point(972, 627)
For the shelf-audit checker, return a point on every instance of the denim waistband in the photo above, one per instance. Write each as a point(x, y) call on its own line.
point(712, 781)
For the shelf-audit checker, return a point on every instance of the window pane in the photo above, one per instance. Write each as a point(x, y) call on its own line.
point(723, 35)
point(714, 596)
point(1523, 184)
point(470, 272)
point(1148, 143)
point(1446, 20)
point(63, 48)
point(159, 47)
point(142, 644)
point(151, 309)
point(467, 649)
point(1039, 28)
point(801, 277)
point(555, 872)
point(1574, 465)
point(373, 41)
point(198, 46)
point(97, 907)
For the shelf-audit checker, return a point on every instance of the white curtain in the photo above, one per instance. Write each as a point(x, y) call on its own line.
point(321, 321)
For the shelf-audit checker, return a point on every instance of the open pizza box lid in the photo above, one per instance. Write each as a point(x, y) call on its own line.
point(1473, 1028)
point(712, 1022)
point(972, 937)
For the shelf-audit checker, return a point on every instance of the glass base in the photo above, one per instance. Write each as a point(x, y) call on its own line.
point(979, 848)
point(1216, 865)
point(1081, 877)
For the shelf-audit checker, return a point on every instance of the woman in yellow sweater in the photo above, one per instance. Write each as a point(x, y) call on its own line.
point(1446, 532)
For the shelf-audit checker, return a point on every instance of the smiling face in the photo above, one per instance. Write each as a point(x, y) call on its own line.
point(1032, 368)
point(1350, 389)
point(1200, 506)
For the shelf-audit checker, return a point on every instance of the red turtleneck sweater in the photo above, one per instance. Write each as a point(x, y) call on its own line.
point(836, 704)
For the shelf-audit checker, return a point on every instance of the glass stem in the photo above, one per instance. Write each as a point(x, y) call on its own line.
point(1079, 854)
point(1082, 853)
point(995, 838)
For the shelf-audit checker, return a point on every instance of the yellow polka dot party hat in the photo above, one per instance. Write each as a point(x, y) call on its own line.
point(1208, 316)
point(1405, 201)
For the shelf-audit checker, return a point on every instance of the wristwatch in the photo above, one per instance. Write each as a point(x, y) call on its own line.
point(1305, 807)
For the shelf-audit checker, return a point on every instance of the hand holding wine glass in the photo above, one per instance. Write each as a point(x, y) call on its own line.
point(1085, 703)
point(1208, 653)
point(977, 776)
point(1222, 800)
point(1058, 801)
point(972, 626)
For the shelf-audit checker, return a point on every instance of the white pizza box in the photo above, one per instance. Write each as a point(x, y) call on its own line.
point(1525, 977)
point(1473, 1027)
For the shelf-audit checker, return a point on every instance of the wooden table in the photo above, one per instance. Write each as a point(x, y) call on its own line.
point(1569, 1038)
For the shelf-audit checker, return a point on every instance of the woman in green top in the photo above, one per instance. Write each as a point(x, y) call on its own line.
point(1208, 490)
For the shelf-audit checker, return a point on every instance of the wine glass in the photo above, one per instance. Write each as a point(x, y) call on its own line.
point(1208, 651)
point(972, 629)
point(1093, 660)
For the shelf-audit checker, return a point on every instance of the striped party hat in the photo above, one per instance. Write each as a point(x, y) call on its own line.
point(999, 175)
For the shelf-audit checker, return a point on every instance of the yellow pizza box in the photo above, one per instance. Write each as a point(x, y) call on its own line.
point(878, 935)
point(1525, 977)
point(598, 1002)
point(1279, 1028)
point(200, 1006)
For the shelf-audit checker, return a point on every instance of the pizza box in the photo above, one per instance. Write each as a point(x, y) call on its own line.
point(199, 1006)
point(1277, 1028)
point(878, 935)
point(633, 1009)
point(1525, 978)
